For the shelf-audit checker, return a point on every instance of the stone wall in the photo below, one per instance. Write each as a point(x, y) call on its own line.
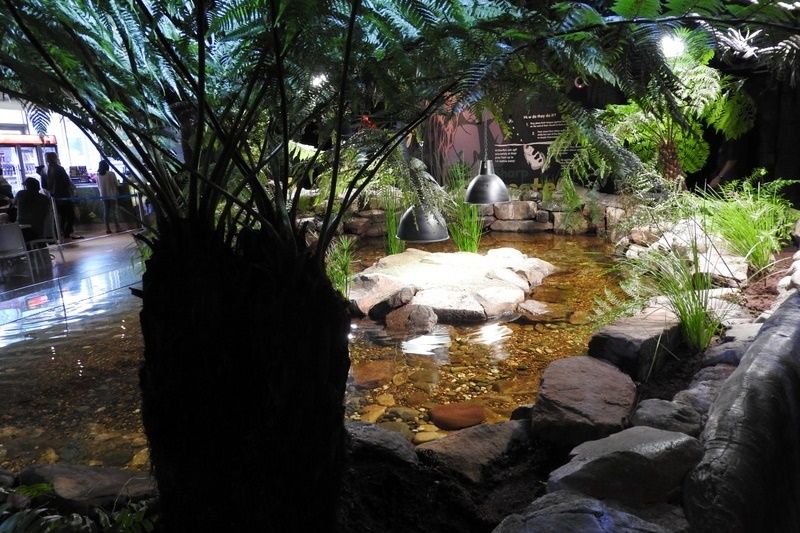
point(526, 214)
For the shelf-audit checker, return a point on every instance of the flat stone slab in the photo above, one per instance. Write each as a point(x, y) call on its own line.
point(460, 287)
point(631, 343)
point(639, 464)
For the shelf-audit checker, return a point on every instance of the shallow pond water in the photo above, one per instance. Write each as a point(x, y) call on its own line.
point(70, 354)
point(395, 380)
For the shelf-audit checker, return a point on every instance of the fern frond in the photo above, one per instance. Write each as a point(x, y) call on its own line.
point(633, 9)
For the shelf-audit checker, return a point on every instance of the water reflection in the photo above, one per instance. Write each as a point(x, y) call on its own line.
point(37, 321)
point(435, 344)
point(494, 336)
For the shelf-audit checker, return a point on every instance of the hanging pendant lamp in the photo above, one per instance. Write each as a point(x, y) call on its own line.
point(419, 224)
point(487, 187)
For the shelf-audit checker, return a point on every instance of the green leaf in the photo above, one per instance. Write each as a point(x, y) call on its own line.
point(703, 7)
point(632, 9)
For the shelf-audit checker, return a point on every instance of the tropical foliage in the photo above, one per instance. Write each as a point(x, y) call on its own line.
point(666, 138)
point(206, 103)
point(749, 219)
point(245, 337)
point(675, 279)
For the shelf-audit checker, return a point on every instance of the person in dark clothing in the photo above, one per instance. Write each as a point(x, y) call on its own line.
point(732, 162)
point(32, 209)
point(7, 199)
point(60, 187)
point(6, 194)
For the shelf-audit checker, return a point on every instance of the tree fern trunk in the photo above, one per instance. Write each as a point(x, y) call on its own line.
point(669, 162)
point(243, 383)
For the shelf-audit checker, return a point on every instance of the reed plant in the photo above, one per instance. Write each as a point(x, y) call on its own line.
point(392, 206)
point(338, 258)
point(466, 228)
point(465, 223)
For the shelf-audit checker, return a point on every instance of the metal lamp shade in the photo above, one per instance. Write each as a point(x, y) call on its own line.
point(422, 225)
point(487, 187)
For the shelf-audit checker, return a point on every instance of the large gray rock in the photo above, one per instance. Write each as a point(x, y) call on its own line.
point(367, 291)
point(521, 226)
point(471, 451)
point(639, 464)
point(633, 343)
point(536, 311)
point(393, 300)
point(7, 479)
point(415, 319)
point(369, 440)
point(749, 478)
point(704, 388)
point(581, 398)
point(79, 489)
point(728, 353)
point(669, 416)
point(452, 305)
point(499, 301)
point(571, 512)
point(734, 342)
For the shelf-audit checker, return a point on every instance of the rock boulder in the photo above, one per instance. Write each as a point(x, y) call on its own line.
point(581, 398)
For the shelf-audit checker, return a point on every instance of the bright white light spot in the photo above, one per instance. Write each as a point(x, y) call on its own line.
point(319, 80)
point(672, 46)
point(491, 334)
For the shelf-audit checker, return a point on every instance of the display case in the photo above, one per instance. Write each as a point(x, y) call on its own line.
point(79, 174)
point(21, 154)
point(10, 167)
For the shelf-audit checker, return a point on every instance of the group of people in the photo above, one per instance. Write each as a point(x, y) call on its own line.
point(30, 207)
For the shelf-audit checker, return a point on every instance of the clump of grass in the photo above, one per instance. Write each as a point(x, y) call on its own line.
point(392, 207)
point(466, 228)
point(753, 218)
point(338, 258)
point(465, 223)
point(686, 290)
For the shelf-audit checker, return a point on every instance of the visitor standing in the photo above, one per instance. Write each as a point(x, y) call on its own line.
point(732, 162)
point(6, 192)
point(60, 188)
point(7, 198)
point(108, 185)
point(32, 209)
